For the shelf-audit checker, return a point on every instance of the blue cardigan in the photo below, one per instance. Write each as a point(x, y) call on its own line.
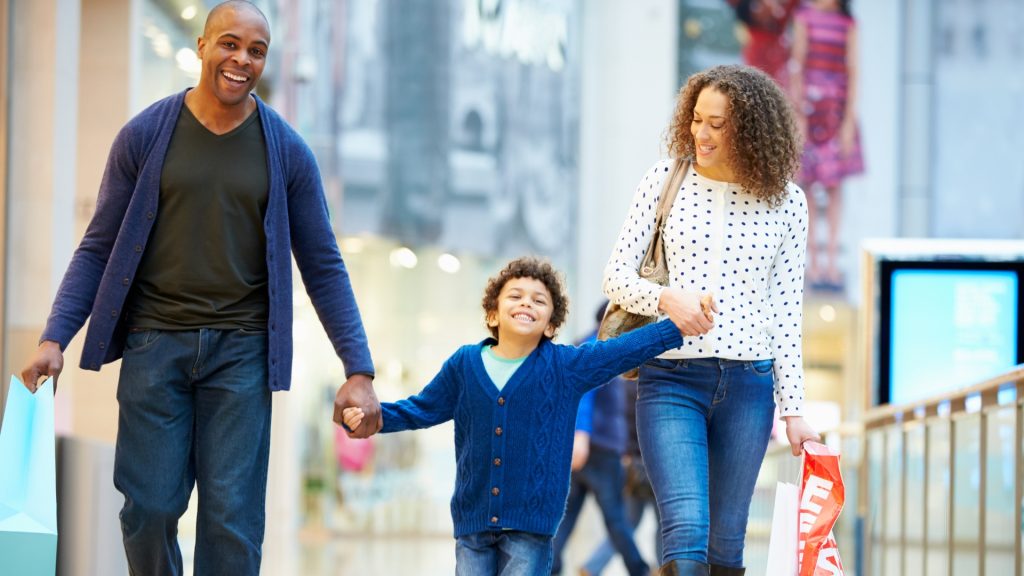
point(103, 267)
point(513, 448)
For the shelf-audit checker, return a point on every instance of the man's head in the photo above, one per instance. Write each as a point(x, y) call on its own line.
point(526, 298)
point(233, 50)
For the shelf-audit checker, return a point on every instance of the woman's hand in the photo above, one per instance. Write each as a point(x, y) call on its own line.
point(692, 313)
point(798, 432)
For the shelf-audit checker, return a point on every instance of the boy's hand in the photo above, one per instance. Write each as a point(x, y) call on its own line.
point(352, 416)
point(708, 307)
point(358, 391)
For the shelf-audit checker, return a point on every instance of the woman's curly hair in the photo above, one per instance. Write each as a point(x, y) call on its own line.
point(528, 267)
point(761, 127)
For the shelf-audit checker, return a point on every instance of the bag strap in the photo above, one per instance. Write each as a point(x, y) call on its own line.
point(668, 197)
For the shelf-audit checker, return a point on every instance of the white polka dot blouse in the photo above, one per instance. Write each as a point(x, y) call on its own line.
point(722, 240)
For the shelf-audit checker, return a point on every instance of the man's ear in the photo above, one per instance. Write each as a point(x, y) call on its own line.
point(200, 44)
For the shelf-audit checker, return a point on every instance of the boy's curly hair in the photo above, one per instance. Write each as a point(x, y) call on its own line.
point(766, 144)
point(528, 267)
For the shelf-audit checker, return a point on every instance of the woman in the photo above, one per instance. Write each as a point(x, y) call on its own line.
point(737, 233)
point(824, 87)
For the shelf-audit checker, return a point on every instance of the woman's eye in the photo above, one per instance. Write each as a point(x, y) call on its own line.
point(718, 127)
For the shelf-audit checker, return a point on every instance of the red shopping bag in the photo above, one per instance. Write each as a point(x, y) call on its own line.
point(821, 499)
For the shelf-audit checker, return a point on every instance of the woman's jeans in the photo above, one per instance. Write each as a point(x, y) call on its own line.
point(194, 409)
point(503, 553)
point(703, 426)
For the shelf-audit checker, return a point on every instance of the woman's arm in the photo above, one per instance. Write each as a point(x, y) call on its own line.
point(785, 305)
point(622, 282)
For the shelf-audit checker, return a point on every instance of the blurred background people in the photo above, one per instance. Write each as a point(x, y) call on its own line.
point(766, 23)
point(597, 469)
point(824, 84)
point(638, 495)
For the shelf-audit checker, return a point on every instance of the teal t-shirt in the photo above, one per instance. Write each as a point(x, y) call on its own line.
point(499, 369)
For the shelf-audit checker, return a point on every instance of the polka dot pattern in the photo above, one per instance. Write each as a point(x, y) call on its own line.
point(721, 239)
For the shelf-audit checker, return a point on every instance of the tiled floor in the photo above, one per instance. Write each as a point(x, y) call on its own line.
point(312, 553)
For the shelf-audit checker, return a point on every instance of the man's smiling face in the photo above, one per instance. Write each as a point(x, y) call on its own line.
point(233, 50)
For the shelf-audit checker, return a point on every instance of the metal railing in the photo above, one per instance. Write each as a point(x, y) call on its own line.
point(941, 483)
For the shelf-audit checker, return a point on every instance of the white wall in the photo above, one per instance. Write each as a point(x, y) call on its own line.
point(628, 89)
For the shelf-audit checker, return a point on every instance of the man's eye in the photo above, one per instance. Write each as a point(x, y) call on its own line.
point(257, 52)
point(229, 45)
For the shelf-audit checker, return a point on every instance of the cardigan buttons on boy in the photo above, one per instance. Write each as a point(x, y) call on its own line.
point(497, 461)
point(494, 519)
point(495, 491)
point(497, 431)
point(501, 401)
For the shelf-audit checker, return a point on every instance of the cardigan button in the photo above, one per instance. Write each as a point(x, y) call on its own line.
point(497, 461)
point(495, 491)
point(125, 281)
point(149, 215)
point(494, 519)
point(497, 431)
point(501, 401)
point(102, 345)
point(113, 313)
point(138, 247)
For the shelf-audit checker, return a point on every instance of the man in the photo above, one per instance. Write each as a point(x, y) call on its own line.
point(597, 468)
point(185, 270)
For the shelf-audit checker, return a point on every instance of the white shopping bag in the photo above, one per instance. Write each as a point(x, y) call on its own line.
point(782, 544)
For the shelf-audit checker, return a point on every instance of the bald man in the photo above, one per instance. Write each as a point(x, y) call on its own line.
point(185, 274)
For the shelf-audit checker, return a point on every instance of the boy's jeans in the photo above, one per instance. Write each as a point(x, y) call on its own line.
point(503, 553)
point(703, 426)
point(194, 409)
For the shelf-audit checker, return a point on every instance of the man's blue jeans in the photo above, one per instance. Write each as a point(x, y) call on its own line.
point(503, 553)
point(703, 426)
point(194, 409)
point(604, 476)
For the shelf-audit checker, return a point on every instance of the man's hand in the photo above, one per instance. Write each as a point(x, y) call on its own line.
point(687, 310)
point(47, 360)
point(580, 450)
point(798, 432)
point(358, 391)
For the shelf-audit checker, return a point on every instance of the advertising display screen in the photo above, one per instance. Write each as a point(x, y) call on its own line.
point(946, 326)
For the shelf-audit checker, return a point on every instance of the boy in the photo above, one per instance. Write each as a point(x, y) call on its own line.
point(514, 398)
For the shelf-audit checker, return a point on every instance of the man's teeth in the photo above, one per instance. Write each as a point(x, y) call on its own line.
point(235, 77)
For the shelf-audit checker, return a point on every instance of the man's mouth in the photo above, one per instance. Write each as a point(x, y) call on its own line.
point(238, 78)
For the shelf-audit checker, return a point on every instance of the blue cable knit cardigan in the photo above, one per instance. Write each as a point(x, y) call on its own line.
point(103, 267)
point(513, 448)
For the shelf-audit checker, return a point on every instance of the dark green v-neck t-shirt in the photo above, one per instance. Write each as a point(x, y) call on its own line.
point(205, 263)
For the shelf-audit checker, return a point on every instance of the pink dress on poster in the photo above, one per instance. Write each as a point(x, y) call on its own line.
point(825, 83)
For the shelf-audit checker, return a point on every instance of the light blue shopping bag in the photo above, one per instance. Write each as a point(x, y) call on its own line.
point(28, 483)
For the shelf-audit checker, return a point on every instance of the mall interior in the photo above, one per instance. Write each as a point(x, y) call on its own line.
point(453, 135)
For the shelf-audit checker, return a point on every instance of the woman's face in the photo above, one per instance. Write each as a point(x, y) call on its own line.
point(710, 135)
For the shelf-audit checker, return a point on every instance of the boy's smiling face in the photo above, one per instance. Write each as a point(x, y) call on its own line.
point(524, 310)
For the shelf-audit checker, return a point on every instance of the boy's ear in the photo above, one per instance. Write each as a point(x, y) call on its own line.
point(492, 319)
point(549, 331)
